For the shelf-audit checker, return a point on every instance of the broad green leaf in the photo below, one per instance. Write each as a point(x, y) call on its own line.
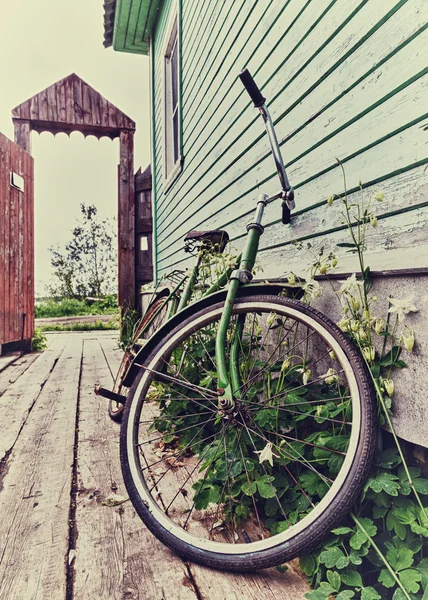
point(355, 558)
point(352, 578)
point(279, 527)
point(333, 578)
point(358, 540)
point(331, 556)
point(271, 507)
point(385, 482)
point(421, 485)
point(410, 580)
point(369, 593)
point(265, 487)
point(242, 511)
point(318, 594)
point(400, 559)
point(312, 483)
point(236, 468)
point(387, 458)
point(386, 579)
point(379, 512)
point(422, 567)
point(307, 564)
point(342, 563)
point(399, 595)
point(342, 530)
point(345, 595)
point(392, 523)
point(249, 488)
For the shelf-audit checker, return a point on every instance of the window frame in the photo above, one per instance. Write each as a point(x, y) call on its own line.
point(170, 110)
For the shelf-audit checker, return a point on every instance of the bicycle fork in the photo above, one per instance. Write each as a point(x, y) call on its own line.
point(229, 384)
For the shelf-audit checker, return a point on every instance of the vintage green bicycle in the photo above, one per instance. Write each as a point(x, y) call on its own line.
point(172, 293)
point(249, 426)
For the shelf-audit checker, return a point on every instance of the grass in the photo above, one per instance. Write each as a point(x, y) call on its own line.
point(69, 307)
point(96, 326)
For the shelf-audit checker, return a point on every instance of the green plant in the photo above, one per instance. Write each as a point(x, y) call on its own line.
point(379, 552)
point(95, 326)
point(74, 307)
point(39, 341)
point(88, 266)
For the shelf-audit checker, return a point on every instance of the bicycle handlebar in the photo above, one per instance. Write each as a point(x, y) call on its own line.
point(251, 87)
point(259, 102)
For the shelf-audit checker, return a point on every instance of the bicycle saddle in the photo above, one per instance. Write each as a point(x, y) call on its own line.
point(215, 239)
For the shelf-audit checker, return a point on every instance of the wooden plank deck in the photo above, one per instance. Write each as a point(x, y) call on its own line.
point(59, 459)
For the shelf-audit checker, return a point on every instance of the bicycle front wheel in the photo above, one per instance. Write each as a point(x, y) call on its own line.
point(256, 484)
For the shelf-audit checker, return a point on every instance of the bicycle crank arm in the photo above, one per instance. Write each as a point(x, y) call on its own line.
point(100, 391)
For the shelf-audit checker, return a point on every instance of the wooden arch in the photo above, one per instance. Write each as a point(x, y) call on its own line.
point(72, 105)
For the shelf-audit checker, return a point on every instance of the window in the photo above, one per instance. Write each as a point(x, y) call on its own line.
point(172, 107)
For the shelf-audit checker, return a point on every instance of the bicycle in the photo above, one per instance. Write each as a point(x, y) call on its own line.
point(164, 303)
point(250, 426)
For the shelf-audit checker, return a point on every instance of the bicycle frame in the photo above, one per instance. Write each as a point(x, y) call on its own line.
point(228, 378)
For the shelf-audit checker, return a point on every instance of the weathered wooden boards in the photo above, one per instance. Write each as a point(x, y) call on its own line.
point(71, 104)
point(36, 482)
point(16, 244)
point(116, 557)
point(108, 553)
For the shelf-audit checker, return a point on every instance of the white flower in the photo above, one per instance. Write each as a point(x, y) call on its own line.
point(291, 278)
point(402, 306)
point(379, 196)
point(285, 365)
point(379, 325)
point(266, 454)
point(312, 288)
point(369, 353)
point(389, 386)
point(330, 377)
point(350, 285)
point(306, 376)
point(271, 318)
point(408, 339)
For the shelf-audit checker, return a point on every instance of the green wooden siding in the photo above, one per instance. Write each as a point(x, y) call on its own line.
point(344, 78)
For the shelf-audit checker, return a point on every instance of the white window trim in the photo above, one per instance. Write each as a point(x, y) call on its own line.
point(175, 170)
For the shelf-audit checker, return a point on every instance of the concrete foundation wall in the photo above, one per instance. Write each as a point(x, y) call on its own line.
point(410, 401)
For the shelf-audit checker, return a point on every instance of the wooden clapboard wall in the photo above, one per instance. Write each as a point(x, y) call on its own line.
point(344, 78)
point(16, 245)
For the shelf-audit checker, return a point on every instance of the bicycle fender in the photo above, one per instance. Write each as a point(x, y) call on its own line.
point(251, 289)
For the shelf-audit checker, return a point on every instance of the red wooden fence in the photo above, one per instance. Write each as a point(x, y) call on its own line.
point(16, 243)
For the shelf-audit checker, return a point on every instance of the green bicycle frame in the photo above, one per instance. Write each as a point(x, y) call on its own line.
point(228, 379)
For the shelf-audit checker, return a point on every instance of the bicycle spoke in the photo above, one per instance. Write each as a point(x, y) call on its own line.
point(190, 386)
point(266, 473)
point(203, 482)
point(177, 418)
point(175, 432)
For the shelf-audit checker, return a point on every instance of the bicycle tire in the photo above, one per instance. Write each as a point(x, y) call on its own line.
point(329, 510)
point(115, 409)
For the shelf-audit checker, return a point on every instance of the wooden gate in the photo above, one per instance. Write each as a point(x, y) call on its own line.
point(16, 244)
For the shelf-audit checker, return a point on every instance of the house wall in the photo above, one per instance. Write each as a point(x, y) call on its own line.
point(344, 79)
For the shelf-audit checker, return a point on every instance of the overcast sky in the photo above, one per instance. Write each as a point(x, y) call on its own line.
point(41, 42)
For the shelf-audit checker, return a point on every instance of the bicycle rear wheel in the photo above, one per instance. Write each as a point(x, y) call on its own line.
point(150, 322)
point(254, 486)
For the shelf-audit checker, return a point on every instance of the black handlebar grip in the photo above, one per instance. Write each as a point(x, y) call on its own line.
point(286, 214)
point(251, 87)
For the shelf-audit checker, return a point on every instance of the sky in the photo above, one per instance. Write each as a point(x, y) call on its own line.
point(40, 43)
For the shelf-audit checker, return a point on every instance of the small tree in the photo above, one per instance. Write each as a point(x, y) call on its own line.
point(88, 266)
